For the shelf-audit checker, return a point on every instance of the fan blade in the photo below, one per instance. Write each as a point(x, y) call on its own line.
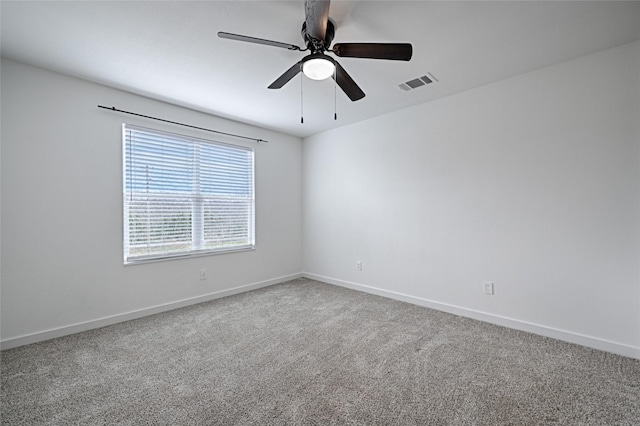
point(346, 83)
point(317, 15)
point(239, 37)
point(288, 75)
point(392, 51)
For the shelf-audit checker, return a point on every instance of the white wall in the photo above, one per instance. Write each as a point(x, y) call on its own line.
point(532, 183)
point(62, 210)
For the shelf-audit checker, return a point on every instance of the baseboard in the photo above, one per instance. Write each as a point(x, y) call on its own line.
point(127, 316)
point(567, 336)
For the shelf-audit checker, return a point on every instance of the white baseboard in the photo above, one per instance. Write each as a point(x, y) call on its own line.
point(114, 319)
point(567, 336)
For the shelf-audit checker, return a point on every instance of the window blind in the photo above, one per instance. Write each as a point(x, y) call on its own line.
point(185, 196)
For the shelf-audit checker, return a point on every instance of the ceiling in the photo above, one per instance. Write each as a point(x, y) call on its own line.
point(170, 50)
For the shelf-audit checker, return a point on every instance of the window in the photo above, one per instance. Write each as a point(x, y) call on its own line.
point(184, 196)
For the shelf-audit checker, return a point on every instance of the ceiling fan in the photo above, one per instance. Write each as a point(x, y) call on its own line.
point(318, 31)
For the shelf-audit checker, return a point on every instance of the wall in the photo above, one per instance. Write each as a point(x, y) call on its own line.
point(532, 183)
point(62, 267)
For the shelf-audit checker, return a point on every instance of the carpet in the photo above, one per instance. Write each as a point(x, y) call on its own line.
point(309, 353)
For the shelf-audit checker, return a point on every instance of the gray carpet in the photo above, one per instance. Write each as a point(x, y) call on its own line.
point(304, 352)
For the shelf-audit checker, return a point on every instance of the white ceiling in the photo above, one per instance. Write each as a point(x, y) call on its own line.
point(170, 50)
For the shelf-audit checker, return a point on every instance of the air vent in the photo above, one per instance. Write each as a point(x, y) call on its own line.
point(417, 82)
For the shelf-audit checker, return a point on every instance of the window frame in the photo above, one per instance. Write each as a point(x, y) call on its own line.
point(196, 199)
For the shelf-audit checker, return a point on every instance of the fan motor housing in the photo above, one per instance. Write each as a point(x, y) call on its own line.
point(319, 45)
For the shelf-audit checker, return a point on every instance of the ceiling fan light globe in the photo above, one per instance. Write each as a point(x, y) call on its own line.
point(318, 68)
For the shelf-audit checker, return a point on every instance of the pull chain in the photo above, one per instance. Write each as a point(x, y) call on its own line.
point(335, 83)
point(301, 96)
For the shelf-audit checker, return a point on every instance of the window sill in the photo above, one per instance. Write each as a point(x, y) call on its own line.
point(162, 258)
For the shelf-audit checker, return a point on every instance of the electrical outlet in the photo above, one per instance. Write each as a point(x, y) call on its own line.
point(203, 274)
point(359, 265)
point(487, 287)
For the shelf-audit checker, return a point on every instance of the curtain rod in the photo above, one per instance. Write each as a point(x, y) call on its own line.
point(182, 124)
